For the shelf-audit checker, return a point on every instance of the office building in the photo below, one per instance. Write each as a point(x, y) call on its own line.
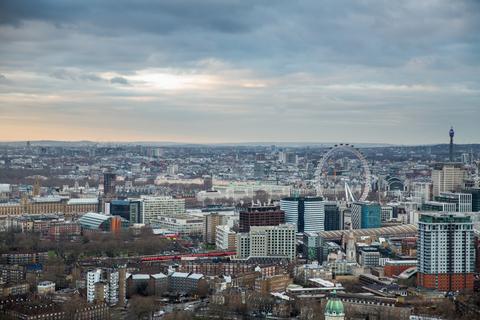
point(307, 213)
point(369, 256)
point(446, 254)
point(447, 177)
point(109, 183)
point(475, 192)
point(422, 191)
point(154, 207)
point(263, 242)
point(333, 216)
point(130, 210)
point(258, 215)
point(462, 201)
point(387, 213)
point(439, 206)
point(102, 222)
point(207, 183)
point(181, 224)
point(312, 247)
point(366, 215)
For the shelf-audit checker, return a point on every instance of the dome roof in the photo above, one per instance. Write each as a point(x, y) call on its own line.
point(334, 306)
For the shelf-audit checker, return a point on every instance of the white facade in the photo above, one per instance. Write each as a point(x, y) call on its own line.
point(447, 178)
point(387, 213)
point(154, 207)
point(225, 238)
point(269, 241)
point(445, 244)
point(310, 210)
point(111, 281)
point(92, 278)
point(464, 200)
point(183, 224)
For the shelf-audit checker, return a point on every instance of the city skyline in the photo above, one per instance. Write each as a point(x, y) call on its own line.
point(240, 72)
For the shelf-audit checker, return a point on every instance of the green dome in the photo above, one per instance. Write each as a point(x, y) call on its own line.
point(334, 306)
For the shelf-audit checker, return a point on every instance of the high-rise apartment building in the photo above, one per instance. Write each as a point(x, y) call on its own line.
point(447, 177)
point(446, 254)
point(271, 241)
point(225, 238)
point(259, 215)
point(366, 215)
point(307, 213)
point(212, 220)
point(105, 285)
point(155, 207)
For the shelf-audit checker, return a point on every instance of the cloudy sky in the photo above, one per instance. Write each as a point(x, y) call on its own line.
point(240, 71)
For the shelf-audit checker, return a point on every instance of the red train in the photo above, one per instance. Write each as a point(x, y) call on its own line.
point(190, 255)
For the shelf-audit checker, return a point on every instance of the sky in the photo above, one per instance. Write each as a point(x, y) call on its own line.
point(215, 71)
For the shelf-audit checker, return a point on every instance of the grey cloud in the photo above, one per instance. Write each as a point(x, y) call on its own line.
point(119, 80)
point(62, 74)
point(307, 51)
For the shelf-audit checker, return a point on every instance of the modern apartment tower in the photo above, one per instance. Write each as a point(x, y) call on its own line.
point(446, 254)
point(307, 213)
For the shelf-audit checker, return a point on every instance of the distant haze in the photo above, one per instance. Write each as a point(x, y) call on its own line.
point(212, 71)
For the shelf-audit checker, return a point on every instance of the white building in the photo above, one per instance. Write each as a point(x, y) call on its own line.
point(154, 207)
point(448, 177)
point(421, 191)
point(463, 201)
point(446, 253)
point(268, 241)
point(386, 213)
point(110, 280)
point(182, 224)
point(225, 238)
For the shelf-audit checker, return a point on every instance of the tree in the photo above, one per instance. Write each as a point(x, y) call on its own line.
point(141, 307)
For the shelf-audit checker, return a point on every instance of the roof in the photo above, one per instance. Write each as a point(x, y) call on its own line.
point(334, 306)
point(93, 220)
point(179, 275)
point(196, 276)
point(158, 276)
point(83, 201)
point(140, 276)
point(400, 229)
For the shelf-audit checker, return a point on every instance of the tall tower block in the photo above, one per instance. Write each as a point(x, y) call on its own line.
point(451, 133)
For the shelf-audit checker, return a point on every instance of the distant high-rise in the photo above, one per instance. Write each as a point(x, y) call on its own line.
point(451, 133)
point(366, 215)
point(109, 183)
point(307, 213)
point(333, 216)
point(446, 254)
point(447, 177)
point(207, 183)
